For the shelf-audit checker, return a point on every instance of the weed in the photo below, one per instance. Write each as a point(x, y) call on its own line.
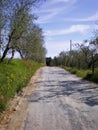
point(85, 74)
point(14, 77)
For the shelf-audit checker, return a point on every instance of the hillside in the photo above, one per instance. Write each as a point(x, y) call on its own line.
point(14, 77)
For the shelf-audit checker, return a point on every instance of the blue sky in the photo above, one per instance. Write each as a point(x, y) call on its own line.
point(65, 20)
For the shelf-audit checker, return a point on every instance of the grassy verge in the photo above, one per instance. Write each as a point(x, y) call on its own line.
point(14, 77)
point(85, 74)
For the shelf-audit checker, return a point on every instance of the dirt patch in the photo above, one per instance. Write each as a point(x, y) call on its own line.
point(14, 117)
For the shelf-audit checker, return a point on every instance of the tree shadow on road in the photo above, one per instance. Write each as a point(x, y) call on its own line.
point(81, 90)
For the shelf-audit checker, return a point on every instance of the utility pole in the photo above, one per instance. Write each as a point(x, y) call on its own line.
point(0, 25)
point(0, 42)
point(70, 45)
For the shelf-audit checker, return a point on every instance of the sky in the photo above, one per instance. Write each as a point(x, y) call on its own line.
point(65, 20)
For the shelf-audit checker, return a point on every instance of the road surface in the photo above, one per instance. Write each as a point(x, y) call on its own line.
point(62, 101)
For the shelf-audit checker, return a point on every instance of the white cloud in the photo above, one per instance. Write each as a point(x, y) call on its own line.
point(65, 1)
point(46, 18)
point(74, 28)
point(48, 14)
point(49, 10)
point(93, 17)
point(90, 18)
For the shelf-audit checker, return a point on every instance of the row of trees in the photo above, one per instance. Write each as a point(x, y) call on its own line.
point(18, 31)
point(85, 56)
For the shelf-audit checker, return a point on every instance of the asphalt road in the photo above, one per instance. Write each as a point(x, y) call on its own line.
point(62, 101)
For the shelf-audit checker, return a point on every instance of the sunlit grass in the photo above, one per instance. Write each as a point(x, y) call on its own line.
point(14, 77)
point(85, 74)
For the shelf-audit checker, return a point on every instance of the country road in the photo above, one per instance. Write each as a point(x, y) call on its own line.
point(56, 100)
point(61, 101)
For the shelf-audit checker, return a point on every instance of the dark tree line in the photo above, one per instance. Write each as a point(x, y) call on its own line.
point(18, 31)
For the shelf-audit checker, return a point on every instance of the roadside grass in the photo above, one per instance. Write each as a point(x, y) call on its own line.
point(94, 77)
point(14, 77)
point(85, 74)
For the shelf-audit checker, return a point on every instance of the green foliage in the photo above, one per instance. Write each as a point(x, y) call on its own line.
point(94, 77)
point(32, 47)
point(85, 74)
point(14, 77)
point(72, 70)
point(22, 35)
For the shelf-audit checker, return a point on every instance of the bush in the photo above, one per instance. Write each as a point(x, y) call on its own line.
point(72, 70)
point(94, 77)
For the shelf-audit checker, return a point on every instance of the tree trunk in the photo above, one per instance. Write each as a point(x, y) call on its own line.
point(7, 47)
point(93, 65)
point(13, 51)
point(5, 53)
point(18, 50)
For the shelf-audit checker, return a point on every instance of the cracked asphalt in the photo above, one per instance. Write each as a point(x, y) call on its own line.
point(62, 101)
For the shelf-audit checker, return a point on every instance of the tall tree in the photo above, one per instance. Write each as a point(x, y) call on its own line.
point(32, 47)
point(18, 16)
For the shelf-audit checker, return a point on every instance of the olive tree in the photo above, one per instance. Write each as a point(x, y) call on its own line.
point(17, 14)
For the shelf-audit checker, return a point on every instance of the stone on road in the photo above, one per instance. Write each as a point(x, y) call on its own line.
point(62, 101)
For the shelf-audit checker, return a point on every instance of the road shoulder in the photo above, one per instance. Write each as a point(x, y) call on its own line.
point(14, 117)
